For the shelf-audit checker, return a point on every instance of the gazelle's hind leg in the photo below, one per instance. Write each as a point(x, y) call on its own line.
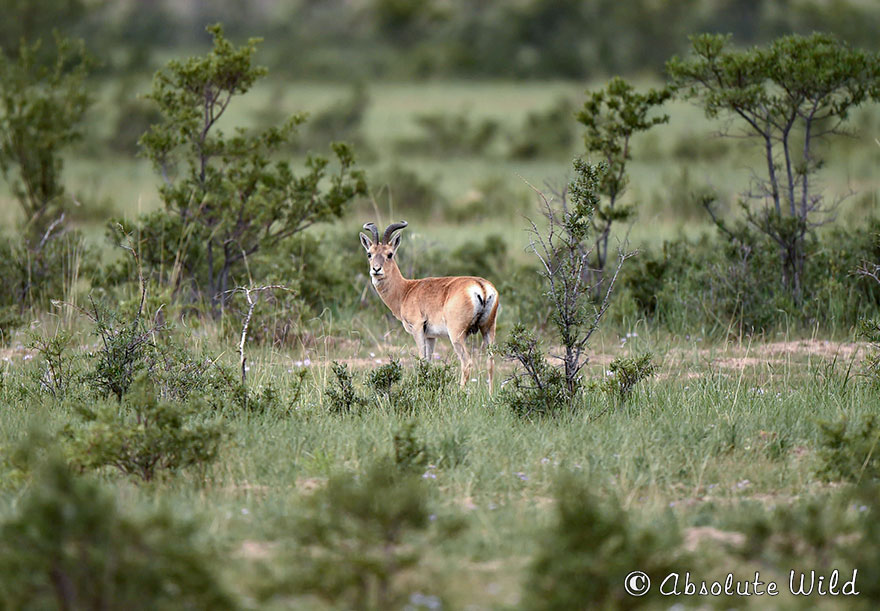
point(459, 344)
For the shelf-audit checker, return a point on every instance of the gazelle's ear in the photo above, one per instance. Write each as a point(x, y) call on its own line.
point(395, 242)
point(365, 242)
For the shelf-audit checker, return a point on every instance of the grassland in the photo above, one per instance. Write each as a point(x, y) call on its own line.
point(726, 431)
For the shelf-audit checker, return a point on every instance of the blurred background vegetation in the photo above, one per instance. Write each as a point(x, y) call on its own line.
point(341, 40)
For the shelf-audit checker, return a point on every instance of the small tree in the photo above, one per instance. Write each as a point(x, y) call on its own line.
point(225, 198)
point(41, 106)
point(789, 95)
point(611, 117)
point(564, 253)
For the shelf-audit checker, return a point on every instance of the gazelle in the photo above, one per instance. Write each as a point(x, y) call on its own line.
point(433, 307)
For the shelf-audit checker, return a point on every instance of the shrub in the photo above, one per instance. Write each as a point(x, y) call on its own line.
point(451, 134)
point(624, 373)
point(62, 369)
point(611, 117)
point(356, 538)
point(343, 398)
point(539, 389)
point(68, 546)
point(410, 452)
point(718, 284)
point(409, 191)
point(341, 122)
point(122, 352)
point(849, 450)
point(134, 118)
point(489, 198)
point(145, 436)
point(793, 535)
point(545, 133)
point(584, 557)
point(384, 377)
point(870, 331)
point(431, 377)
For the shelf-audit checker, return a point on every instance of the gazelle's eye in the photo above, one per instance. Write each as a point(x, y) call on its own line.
point(369, 256)
point(390, 255)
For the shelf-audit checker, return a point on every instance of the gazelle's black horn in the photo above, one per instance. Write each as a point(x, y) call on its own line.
point(392, 228)
point(375, 231)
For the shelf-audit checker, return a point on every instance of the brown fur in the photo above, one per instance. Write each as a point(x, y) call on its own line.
point(433, 307)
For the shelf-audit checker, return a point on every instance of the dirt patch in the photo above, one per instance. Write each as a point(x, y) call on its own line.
point(467, 503)
point(819, 347)
point(694, 537)
point(741, 362)
point(256, 550)
point(8, 354)
point(309, 484)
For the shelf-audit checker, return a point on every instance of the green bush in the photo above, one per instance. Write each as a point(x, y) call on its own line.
point(545, 133)
point(68, 546)
point(410, 452)
point(539, 389)
point(342, 397)
point(384, 377)
point(490, 198)
point(624, 373)
point(451, 134)
point(848, 450)
point(145, 436)
point(357, 540)
point(407, 191)
point(575, 295)
point(718, 284)
point(134, 118)
point(60, 369)
point(585, 556)
point(340, 122)
point(122, 352)
point(870, 331)
point(431, 377)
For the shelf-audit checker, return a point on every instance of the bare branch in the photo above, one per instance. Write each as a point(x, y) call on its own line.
point(251, 294)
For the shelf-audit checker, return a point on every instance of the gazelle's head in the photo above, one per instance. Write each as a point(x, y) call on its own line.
point(381, 253)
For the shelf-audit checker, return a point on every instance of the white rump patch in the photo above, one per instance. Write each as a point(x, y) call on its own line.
point(482, 304)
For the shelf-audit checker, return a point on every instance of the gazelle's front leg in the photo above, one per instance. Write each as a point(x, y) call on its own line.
point(418, 333)
point(429, 347)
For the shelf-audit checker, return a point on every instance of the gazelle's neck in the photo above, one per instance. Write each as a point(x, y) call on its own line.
point(391, 288)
